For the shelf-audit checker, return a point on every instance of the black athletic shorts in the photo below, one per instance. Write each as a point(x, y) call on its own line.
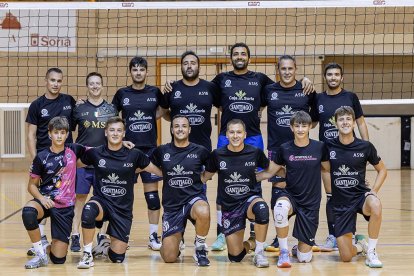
point(235, 220)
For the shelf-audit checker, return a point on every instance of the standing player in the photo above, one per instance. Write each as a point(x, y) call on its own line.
point(90, 117)
point(140, 106)
point(183, 196)
point(240, 195)
point(304, 159)
point(350, 194)
point(283, 99)
point(113, 198)
point(325, 105)
point(52, 185)
point(41, 111)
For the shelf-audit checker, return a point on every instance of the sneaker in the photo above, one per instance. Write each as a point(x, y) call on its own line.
point(284, 260)
point(330, 244)
point(154, 242)
point(86, 261)
point(200, 256)
point(182, 245)
point(295, 250)
point(38, 261)
point(260, 260)
point(252, 241)
point(45, 244)
point(273, 247)
point(75, 243)
point(372, 259)
point(361, 244)
point(220, 243)
point(100, 237)
point(101, 249)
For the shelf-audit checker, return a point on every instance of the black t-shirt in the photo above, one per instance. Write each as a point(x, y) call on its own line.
point(348, 167)
point(57, 173)
point(115, 175)
point(325, 107)
point(91, 121)
point(181, 169)
point(139, 108)
point(282, 103)
point(42, 110)
point(195, 102)
point(241, 98)
point(236, 174)
point(303, 171)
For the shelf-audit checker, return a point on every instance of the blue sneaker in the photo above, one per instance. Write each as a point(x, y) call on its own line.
point(284, 259)
point(220, 243)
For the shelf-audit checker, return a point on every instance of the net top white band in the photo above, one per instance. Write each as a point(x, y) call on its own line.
point(204, 4)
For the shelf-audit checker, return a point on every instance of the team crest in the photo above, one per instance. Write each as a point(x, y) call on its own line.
point(332, 155)
point(44, 112)
point(126, 101)
point(321, 109)
point(177, 95)
point(102, 163)
point(166, 157)
point(274, 96)
point(227, 83)
point(223, 165)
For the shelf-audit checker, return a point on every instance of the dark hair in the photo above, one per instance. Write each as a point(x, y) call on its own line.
point(58, 123)
point(240, 44)
point(333, 65)
point(114, 120)
point(344, 110)
point(53, 69)
point(300, 117)
point(93, 74)
point(286, 57)
point(189, 53)
point(179, 116)
point(138, 61)
point(235, 122)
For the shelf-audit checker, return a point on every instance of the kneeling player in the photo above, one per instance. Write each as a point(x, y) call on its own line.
point(52, 184)
point(350, 195)
point(304, 159)
point(236, 165)
point(183, 194)
point(113, 198)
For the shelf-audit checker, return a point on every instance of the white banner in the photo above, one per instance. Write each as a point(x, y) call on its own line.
point(38, 31)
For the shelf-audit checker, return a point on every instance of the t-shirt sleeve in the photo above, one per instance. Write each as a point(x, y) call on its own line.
point(211, 162)
point(278, 157)
point(325, 154)
point(215, 92)
point(356, 105)
point(116, 101)
point(88, 157)
point(162, 101)
point(265, 81)
point(72, 118)
point(262, 160)
point(141, 161)
point(312, 105)
point(36, 168)
point(373, 157)
point(32, 117)
point(78, 149)
point(155, 157)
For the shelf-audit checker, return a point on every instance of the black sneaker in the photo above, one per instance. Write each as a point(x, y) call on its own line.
point(75, 243)
point(100, 237)
point(200, 256)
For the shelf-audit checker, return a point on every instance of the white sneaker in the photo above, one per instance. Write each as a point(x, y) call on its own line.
point(45, 244)
point(86, 262)
point(101, 249)
point(361, 244)
point(372, 259)
point(38, 261)
point(330, 244)
point(260, 260)
point(154, 242)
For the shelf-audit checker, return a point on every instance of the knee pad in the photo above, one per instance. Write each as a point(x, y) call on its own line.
point(114, 257)
point(29, 217)
point(89, 213)
point(153, 200)
point(304, 257)
point(56, 260)
point(261, 212)
point(238, 258)
point(281, 213)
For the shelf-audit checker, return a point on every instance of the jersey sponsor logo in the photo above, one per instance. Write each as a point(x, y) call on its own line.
point(177, 95)
point(140, 127)
point(166, 157)
point(165, 226)
point(250, 163)
point(86, 124)
point(44, 112)
point(68, 107)
point(320, 108)
point(113, 191)
point(240, 107)
point(48, 164)
point(253, 83)
point(332, 155)
point(330, 133)
point(180, 182)
point(151, 100)
point(237, 189)
point(346, 182)
point(227, 83)
point(98, 124)
point(192, 155)
point(223, 165)
point(236, 178)
point(50, 172)
point(102, 163)
point(84, 113)
point(128, 165)
point(299, 94)
point(226, 223)
point(274, 96)
point(125, 101)
point(114, 179)
point(191, 107)
point(294, 158)
point(283, 121)
point(344, 170)
point(196, 120)
point(358, 154)
point(139, 116)
point(179, 170)
point(203, 93)
point(240, 95)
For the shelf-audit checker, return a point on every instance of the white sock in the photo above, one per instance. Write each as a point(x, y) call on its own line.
point(42, 229)
point(259, 247)
point(372, 244)
point(38, 247)
point(153, 228)
point(283, 243)
point(219, 217)
point(75, 234)
point(87, 248)
point(200, 241)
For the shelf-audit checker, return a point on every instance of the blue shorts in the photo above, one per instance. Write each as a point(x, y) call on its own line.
point(85, 177)
point(146, 176)
point(175, 222)
point(346, 216)
point(235, 220)
point(274, 179)
point(256, 141)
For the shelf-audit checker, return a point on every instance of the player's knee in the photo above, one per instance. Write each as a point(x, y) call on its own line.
point(57, 260)
point(281, 213)
point(304, 257)
point(115, 257)
point(346, 257)
point(261, 212)
point(153, 200)
point(169, 256)
point(89, 213)
point(275, 195)
point(29, 217)
point(237, 258)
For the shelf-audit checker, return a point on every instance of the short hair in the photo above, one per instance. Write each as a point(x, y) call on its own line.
point(58, 123)
point(240, 44)
point(114, 120)
point(235, 122)
point(189, 53)
point(333, 65)
point(285, 57)
point(53, 69)
point(300, 117)
point(138, 62)
point(179, 116)
point(93, 74)
point(344, 110)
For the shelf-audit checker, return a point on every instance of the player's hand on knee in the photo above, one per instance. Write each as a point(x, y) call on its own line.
point(47, 202)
